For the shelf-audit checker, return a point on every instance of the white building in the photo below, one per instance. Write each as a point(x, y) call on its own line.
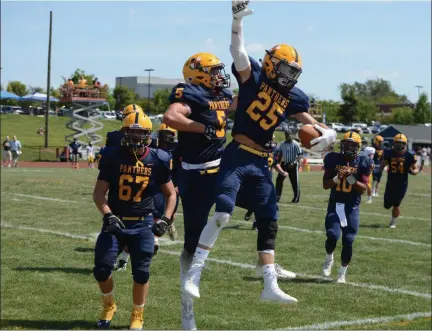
point(139, 84)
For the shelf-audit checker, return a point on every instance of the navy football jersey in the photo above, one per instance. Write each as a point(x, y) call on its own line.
point(379, 152)
point(132, 187)
point(207, 109)
point(172, 149)
point(262, 106)
point(343, 192)
point(399, 166)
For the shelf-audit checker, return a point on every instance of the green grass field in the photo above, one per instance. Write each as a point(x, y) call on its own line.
point(49, 225)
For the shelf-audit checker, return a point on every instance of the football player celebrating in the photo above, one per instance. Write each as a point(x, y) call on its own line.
point(267, 96)
point(400, 163)
point(198, 111)
point(377, 173)
point(167, 142)
point(347, 175)
point(130, 173)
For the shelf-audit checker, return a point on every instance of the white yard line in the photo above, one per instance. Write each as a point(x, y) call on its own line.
point(338, 324)
point(285, 227)
point(227, 262)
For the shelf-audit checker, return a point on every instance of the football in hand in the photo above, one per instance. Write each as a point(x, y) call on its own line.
point(307, 133)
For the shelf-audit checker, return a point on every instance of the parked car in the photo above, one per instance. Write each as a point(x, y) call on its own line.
point(338, 127)
point(374, 129)
point(109, 115)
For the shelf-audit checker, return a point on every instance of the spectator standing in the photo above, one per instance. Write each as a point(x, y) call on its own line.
point(90, 155)
point(16, 149)
point(7, 155)
point(75, 146)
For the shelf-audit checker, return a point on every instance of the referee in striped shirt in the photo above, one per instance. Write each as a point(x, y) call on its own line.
point(290, 154)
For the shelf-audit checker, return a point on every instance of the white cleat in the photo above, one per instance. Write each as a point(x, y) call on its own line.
point(281, 273)
point(277, 295)
point(327, 267)
point(187, 313)
point(393, 224)
point(191, 285)
point(369, 200)
point(341, 279)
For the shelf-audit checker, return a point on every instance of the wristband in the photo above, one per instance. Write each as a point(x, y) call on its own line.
point(166, 220)
point(336, 179)
point(351, 180)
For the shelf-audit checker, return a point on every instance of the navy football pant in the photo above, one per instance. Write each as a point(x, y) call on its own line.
point(334, 230)
point(140, 241)
point(394, 195)
point(197, 194)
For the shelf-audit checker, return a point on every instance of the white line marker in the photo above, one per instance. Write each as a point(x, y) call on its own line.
point(228, 262)
point(286, 227)
point(338, 324)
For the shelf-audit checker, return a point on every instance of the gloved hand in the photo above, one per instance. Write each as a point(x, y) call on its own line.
point(160, 227)
point(210, 132)
point(112, 223)
point(240, 9)
point(328, 136)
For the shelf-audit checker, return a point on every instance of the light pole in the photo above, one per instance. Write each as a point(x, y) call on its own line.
point(419, 87)
point(148, 93)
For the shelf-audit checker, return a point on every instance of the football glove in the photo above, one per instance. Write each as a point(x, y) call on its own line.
point(240, 9)
point(161, 226)
point(112, 223)
point(328, 137)
point(210, 132)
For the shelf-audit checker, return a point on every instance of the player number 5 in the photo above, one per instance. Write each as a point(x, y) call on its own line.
point(179, 92)
point(125, 190)
point(221, 116)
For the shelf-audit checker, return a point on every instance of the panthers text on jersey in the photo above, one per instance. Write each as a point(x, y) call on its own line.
point(132, 186)
point(207, 109)
point(262, 106)
point(343, 192)
point(398, 166)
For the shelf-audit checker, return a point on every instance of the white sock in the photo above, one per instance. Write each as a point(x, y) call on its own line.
point(138, 306)
point(270, 278)
point(343, 270)
point(200, 256)
point(329, 257)
point(125, 256)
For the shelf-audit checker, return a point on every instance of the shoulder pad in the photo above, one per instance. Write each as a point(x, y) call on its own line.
point(255, 66)
point(188, 93)
point(162, 155)
point(227, 93)
point(299, 101)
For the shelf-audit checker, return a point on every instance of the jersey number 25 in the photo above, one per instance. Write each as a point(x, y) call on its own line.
point(265, 111)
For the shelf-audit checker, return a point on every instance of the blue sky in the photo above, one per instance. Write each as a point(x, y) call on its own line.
point(338, 41)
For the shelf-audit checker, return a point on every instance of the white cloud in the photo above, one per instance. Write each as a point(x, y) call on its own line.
point(210, 45)
point(255, 48)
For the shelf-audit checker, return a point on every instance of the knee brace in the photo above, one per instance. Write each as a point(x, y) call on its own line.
point(141, 276)
point(102, 273)
point(214, 226)
point(267, 232)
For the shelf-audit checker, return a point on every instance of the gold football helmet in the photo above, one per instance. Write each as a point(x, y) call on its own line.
point(350, 144)
point(282, 64)
point(132, 108)
point(166, 133)
point(137, 128)
point(400, 142)
point(378, 140)
point(206, 69)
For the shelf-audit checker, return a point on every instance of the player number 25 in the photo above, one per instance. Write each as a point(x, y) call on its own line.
point(343, 186)
point(259, 111)
point(397, 166)
point(125, 190)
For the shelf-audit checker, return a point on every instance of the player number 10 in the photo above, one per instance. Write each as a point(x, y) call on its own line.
point(125, 190)
point(343, 186)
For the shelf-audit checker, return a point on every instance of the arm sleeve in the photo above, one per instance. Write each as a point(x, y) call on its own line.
point(104, 168)
point(237, 49)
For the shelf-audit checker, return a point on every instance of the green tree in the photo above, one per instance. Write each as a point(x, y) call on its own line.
point(366, 111)
point(161, 101)
point(17, 87)
point(55, 92)
point(403, 115)
point(123, 96)
point(331, 109)
point(422, 111)
point(350, 103)
point(78, 73)
point(34, 89)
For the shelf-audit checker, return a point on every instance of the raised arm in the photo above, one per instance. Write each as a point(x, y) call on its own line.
point(237, 48)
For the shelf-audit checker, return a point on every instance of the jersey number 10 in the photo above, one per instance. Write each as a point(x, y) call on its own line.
point(343, 186)
point(264, 111)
